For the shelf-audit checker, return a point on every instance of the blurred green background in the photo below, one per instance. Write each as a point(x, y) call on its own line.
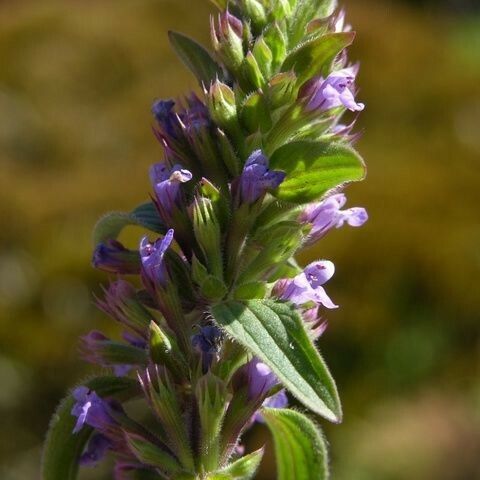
point(77, 79)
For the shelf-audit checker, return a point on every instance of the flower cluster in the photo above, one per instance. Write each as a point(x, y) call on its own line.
point(253, 171)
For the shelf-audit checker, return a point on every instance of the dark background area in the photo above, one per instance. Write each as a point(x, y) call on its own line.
point(77, 79)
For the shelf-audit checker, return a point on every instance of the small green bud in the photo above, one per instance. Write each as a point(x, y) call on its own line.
point(227, 39)
point(223, 109)
point(251, 72)
point(256, 11)
point(264, 57)
point(159, 345)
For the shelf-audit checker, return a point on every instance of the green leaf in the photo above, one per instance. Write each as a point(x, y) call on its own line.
point(111, 224)
point(196, 58)
point(242, 469)
point(275, 333)
point(300, 449)
point(62, 448)
point(314, 168)
point(305, 11)
point(316, 56)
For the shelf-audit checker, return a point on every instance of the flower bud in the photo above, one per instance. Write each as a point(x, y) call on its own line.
point(222, 106)
point(256, 11)
point(113, 257)
point(252, 73)
point(227, 39)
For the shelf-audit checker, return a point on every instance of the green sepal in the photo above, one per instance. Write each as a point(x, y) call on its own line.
point(248, 291)
point(314, 168)
point(213, 288)
point(315, 57)
point(242, 469)
point(228, 154)
point(264, 57)
point(211, 394)
point(251, 73)
point(277, 43)
point(117, 353)
point(111, 224)
point(62, 448)
point(199, 271)
point(206, 228)
point(274, 332)
point(163, 397)
point(281, 9)
point(268, 248)
point(220, 203)
point(300, 450)
point(222, 105)
point(196, 58)
point(255, 113)
point(282, 89)
point(150, 454)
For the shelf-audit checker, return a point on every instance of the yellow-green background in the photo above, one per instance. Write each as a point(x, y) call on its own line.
point(76, 82)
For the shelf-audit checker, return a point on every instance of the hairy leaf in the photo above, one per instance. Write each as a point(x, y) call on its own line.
point(274, 332)
point(314, 168)
point(300, 450)
point(111, 225)
point(196, 58)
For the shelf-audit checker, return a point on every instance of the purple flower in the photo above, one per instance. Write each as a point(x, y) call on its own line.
point(95, 347)
point(307, 286)
point(256, 177)
point(91, 346)
point(113, 257)
point(335, 91)
point(207, 343)
point(90, 410)
point(166, 185)
point(260, 379)
point(326, 215)
point(164, 114)
point(337, 23)
point(154, 271)
point(196, 115)
point(278, 400)
point(98, 446)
